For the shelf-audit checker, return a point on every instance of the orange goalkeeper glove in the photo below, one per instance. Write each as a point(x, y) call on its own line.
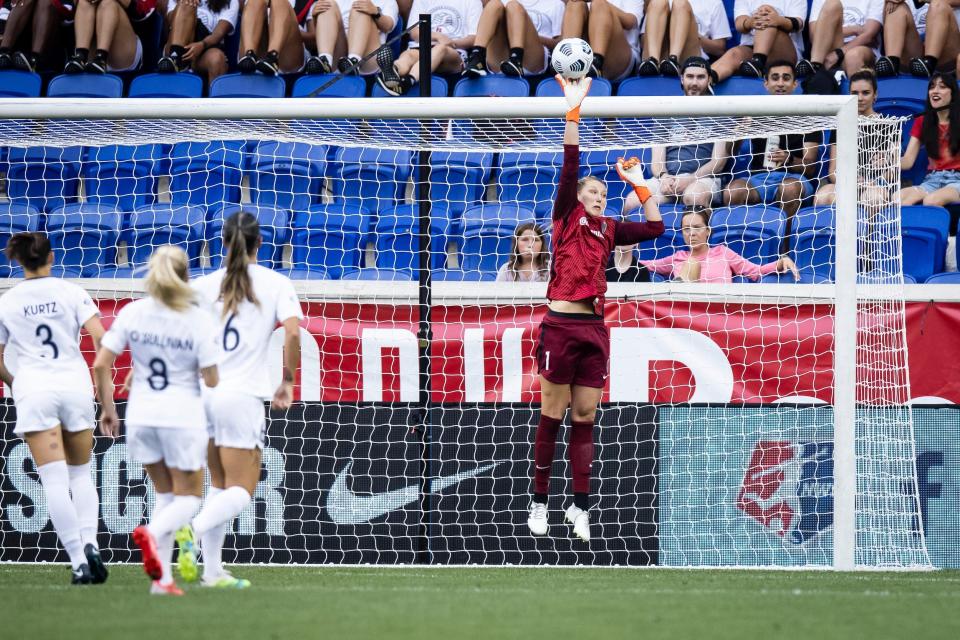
point(631, 172)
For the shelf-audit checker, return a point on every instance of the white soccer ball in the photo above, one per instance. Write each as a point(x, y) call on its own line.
point(572, 58)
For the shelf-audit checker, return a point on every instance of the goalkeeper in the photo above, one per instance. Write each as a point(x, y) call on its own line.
point(574, 343)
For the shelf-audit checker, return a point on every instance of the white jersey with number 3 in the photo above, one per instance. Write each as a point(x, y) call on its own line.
point(40, 322)
point(168, 349)
point(245, 334)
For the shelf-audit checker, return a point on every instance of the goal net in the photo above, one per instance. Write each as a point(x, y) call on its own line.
point(757, 420)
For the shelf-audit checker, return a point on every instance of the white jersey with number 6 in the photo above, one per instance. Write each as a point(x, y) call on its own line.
point(245, 335)
point(168, 349)
point(40, 320)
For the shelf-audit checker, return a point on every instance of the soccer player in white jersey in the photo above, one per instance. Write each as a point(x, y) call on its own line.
point(454, 24)
point(249, 301)
point(515, 37)
point(770, 29)
point(844, 34)
point(682, 29)
point(348, 30)
point(612, 27)
point(40, 321)
point(173, 343)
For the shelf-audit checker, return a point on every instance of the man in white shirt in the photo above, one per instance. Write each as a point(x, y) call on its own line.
point(682, 29)
point(612, 27)
point(770, 29)
point(904, 24)
point(515, 37)
point(843, 33)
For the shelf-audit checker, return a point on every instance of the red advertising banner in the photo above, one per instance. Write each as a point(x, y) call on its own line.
point(660, 352)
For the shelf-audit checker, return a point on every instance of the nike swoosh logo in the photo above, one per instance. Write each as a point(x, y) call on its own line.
point(346, 507)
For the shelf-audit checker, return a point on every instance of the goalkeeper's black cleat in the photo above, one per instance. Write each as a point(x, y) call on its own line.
point(75, 64)
point(269, 65)
point(98, 570)
point(81, 575)
point(248, 63)
point(317, 65)
point(476, 65)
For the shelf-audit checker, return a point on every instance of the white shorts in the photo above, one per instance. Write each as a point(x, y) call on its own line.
point(234, 419)
point(183, 448)
point(712, 183)
point(137, 60)
point(41, 411)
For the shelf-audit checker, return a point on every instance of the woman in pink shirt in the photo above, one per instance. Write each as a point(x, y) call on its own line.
point(703, 263)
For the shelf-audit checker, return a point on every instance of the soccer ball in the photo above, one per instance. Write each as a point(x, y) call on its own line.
point(572, 58)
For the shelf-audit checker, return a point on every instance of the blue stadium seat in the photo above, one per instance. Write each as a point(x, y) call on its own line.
point(314, 273)
point(654, 86)
point(206, 173)
point(924, 232)
point(901, 96)
point(345, 87)
point(239, 85)
point(492, 85)
point(812, 241)
point(86, 85)
point(397, 242)
point(122, 176)
point(166, 85)
point(670, 241)
point(918, 171)
point(459, 275)
point(57, 271)
point(15, 218)
point(952, 277)
point(43, 177)
point(753, 231)
point(164, 223)
point(19, 84)
point(329, 236)
point(376, 274)
point(487, 234)
point(372, 179)
point(84, 237)
point(438, 89)
point(459, 179)
point(129, 271)
point(274, 229)
point(806, 277)
point(287, 175)
point(550, 88)
point(530, 179)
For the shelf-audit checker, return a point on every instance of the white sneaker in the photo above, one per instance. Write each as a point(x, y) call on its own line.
point(537, 521)
point(580, 520)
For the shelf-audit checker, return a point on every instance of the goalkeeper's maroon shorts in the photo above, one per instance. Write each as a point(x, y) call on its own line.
point(574, 348)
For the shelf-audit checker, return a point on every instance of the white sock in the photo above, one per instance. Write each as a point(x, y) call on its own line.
point(211, 542)
point(327, 57)
point(161, 502)
point(353, 57)
point(173, 516)
point(56, 486)
point(165, 551)
point(86, 502)
point(221, 509)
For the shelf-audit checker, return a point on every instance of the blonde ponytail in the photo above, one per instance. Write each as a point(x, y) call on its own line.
point(168, 276)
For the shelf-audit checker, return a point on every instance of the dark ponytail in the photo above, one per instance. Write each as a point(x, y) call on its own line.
point(241, 235)
point(30, 248)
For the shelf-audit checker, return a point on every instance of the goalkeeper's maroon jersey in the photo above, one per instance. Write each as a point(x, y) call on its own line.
point(582, 242)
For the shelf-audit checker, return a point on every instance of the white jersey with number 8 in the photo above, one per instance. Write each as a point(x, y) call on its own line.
point(245, 335)
point(168, 349)
point(40, 322)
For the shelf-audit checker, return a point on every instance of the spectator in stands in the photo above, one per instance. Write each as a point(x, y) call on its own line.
point(348, 30)
point(770, 30)
point(623, 266)
point(612, 27)
point(529, 257)
point(781, 169)
point(843, 34)
point(875, 151)
point(454, 25)
point(941, 45)
point(719, 263)
point(44, 19)
point(197, 32)
point(687, 174)
point(515, 37)
point(272, 39)
point(681, 29)
point(904, 25)
point(938, 130)
point(108, 24)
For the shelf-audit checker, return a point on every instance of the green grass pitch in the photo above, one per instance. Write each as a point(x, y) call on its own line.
point(37, 602)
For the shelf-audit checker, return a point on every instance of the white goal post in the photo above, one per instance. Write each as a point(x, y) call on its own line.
point(413, 124)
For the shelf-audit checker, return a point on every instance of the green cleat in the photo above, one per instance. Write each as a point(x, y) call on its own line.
point(187, 558)
point(226, 581)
